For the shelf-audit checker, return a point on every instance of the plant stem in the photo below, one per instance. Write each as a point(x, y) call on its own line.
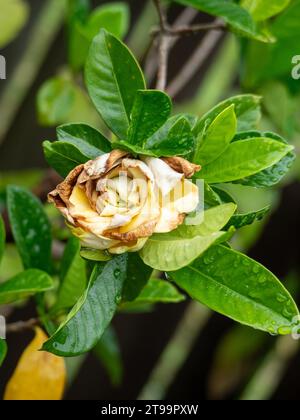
point(184, 18)
point(197, 59)
point(22, 326)
point(40, 39)
point(175, 353)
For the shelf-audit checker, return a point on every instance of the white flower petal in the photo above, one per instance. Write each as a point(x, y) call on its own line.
point(165, 177)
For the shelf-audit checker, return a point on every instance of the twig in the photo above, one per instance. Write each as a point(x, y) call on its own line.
point(179, 31)
point(187, 16)
point(198, 58)
point(162, 74)
point(163, 48)
point(22, 326)
point(176, 352)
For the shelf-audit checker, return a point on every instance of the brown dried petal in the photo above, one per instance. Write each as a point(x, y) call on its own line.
point(182, 166)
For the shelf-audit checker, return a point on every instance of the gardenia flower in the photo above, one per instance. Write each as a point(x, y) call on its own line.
point(116, 202)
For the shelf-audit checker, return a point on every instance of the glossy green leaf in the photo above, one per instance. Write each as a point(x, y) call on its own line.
point(3, 351)
point(23, 285)
point(173, 138)
point(31, 228)
point(109, 353)
point(247, 110)
point(14, 14)
point(233, 14)
point(2, 237)
point(264, 9)
point(94, 311)
point(150, 111)
point(137, 277)
point(211, 198)
point(216, 137)
point(85, 138)
point(133, 149)
point(63, 156)
point(113, 78)
point(73, 279)
point(167, 252)
point(273, 175)
point(211, 221)
point(244, 158)
point(240, 220)
point(240, 288)
point(159, 291)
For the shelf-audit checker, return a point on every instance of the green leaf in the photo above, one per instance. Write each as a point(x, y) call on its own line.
point(273, 175)
point(244, 158)
point(85, 138)
point(3, 351)
point(2, 237)
point(212, 220)
point(181, 246)
point(54, 101)
point(73, 279)
point(166, 252)
point(77, 16)
point(216, 137)
point(150, 111)
point(233, 14)
point(133, 149)
point(138, 274)
point(60, 100)
point(83, 28)
point(14, 14)
point(240, 288)
point(264, 9)
point(108, 352)
point(30, 227)
point(113, 17)
point(275, 59)
point(113, 78)
point(159, 291)
point(240, 220)
point(94, 311)
point(95, 254)
point(63, 156)
point(247, 110)
point(23, 285)
point(175, 137)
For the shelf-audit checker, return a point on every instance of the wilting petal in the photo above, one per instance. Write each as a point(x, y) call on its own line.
point(89, 240)
point(186, 197)
point(169, 220)
point(165, 177)
point(182, 166)
point(134, 247)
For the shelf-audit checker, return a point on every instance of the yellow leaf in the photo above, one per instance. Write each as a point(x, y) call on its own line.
point(38, 375)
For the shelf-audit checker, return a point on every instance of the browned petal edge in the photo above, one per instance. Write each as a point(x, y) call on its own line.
point(60, 196)
point(143, 231)
point(182, 165)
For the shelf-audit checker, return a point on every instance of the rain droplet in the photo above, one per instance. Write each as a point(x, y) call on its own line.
point(281, 298)
point(117, 272)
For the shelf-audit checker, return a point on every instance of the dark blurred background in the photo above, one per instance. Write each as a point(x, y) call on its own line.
point(215, 367)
